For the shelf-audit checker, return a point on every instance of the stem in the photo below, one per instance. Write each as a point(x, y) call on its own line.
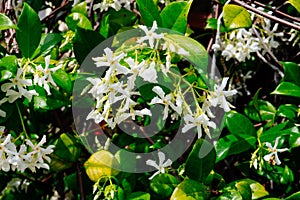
point(80, 183)
point(22, 122)
point(276, 19)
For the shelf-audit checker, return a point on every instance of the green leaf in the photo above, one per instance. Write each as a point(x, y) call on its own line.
point(163, 185)
point(139, 196)
point(48, 42)
point(288, 89)
point(260, 110)
point(287, 176)
point(6, 23)
point(174, 16)
point(190, 190)
point(231, 145)
point(272, 133)
point(294, 196)
point(291, 73)
point(80, 8)
point(212, 23)
point(8, 67)
point(295, 3)
point(236, 17)
point(201, 160)
point(197, 53)
point(62, 79)
point(29, 31)
point(78, 19)
point(84, 42)
point(244, 189)
point(288, 111)
point(239, 124)
point(149, 12)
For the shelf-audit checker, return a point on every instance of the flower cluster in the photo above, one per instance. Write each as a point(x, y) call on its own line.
point(115, 4)
point(21, 85)
point(114, 90)
point(29, 155)
point(239, 44)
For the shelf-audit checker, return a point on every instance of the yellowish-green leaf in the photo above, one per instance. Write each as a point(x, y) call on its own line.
point(236, 17)
point(295, 3)
point(6, 23)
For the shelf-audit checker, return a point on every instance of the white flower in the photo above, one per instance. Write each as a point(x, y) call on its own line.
point(273, 157)
point(151, 36)
point(150, 73)
point(4, 162)
point(161, 165)
point(122, 116)
point(3, 113)
point(135, 69)
point(20, 83)
point(219, 95)
point(166, 100)
point(198, 121)
point(106, 4)
point(112, 61)
point(42, 76)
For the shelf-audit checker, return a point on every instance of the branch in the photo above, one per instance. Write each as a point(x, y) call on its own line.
point(80, 183)
point(276, 19)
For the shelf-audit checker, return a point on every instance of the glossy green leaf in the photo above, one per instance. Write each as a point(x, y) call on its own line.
point(231, 145)
point(272, 133)
point(8, 67)
point(236, 17)
point(201, 160)
point(48, 42)
point(6, 23)
point(294, 140)
point(295, 196)
point(244, 189)
point(260, 110)
point(62, 79)
point(174, 16)
point(288, 111)
point(80, 8)
point(149, 12)
point(29, 31)
point(295, 3)
point(287, 176)
point(139, 196)
point(190, 190)
point(239, 124)
point(84, 42)
point(212, 23)
point(197, 53)
point(287, 89)
point(291, 73)
point(77, 19)
point(163, 185)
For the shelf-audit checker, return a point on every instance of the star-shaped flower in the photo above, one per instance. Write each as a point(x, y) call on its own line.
point(161, 165)
point(151, 36)
point(273, 157)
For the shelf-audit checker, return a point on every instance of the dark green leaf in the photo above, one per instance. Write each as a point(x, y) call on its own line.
point(197, 53)
point(260, 110)
point(273, 133)
point(163, 185)
point(288, 89)
point(231, 145)
point(48, 42)
point(77, 19)
point(149, 12)
point(139, 196)
point(201, 160)
point(6, 23)
point(213, 24)
point(236, 17)
point(190, 190)
point(295, 3)
point(174, 16)
point(239, 124)
point(84, 42)
point(291, 73)
point(62, 79)
point(29, 31)
point(287, 176)
point(288, 110)
point(244, 189)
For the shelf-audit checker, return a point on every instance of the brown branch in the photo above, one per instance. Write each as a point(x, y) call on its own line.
point(80, 183)
point(276, 11)
point(52, 14)
point(276, 19)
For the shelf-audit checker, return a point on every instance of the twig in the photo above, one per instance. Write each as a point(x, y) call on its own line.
point(276, 11)
point(80, 183)
point(266, 48)
point(264, 14)
point(268, 63)
point(51, 15)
